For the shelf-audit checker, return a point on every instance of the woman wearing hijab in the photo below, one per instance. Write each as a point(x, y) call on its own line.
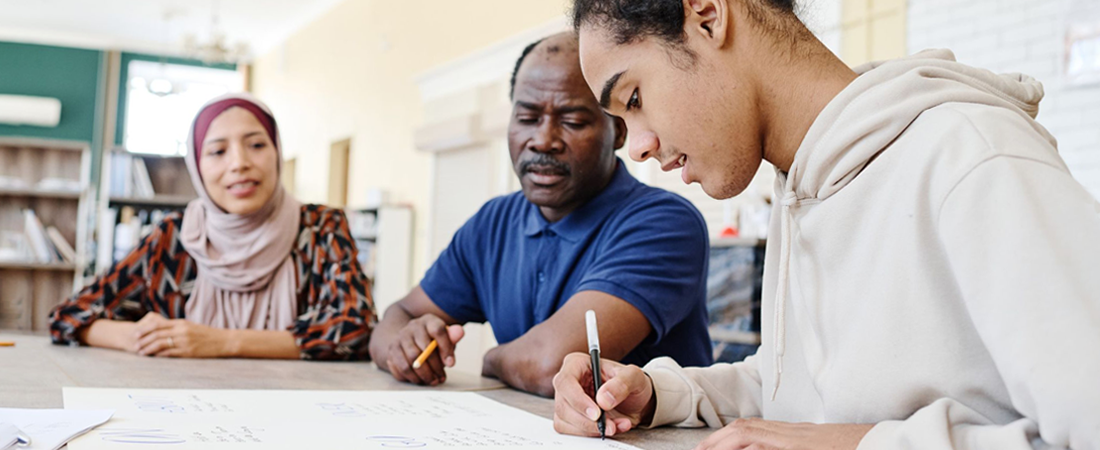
point(246, 271)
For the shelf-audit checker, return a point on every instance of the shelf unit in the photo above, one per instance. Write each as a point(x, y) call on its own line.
point(62, 266)
point(172, 192)
point(724, 242)
point(383, 236)
point(39, 193)
point(30, 288)
point(733, 296)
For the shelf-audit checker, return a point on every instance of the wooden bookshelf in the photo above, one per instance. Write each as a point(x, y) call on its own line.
point(62, 266)
point(30, 172)
point(173, 201)
point(39, 193)
point(172, 191)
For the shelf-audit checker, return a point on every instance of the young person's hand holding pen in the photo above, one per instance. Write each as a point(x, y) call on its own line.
point(626, 395)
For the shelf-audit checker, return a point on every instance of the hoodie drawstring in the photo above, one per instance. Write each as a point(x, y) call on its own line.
point(780, 319)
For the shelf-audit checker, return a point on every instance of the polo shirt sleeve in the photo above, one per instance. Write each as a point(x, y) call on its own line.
point(655, 260)
point(450, 283)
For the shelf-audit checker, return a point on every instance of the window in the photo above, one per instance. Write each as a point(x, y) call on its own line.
point(1082, 61)
point(162, 100)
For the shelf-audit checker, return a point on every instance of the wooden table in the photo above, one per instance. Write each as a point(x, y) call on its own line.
point(33, 372)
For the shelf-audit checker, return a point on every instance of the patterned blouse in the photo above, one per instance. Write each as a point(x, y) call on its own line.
point(336, 313)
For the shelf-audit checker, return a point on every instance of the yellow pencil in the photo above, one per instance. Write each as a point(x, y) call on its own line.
point(425, 354)
point(7, 344)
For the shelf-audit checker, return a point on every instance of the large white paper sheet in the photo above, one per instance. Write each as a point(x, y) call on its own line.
point(235, 419)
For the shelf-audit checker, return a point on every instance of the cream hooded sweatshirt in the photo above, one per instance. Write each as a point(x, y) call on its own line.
point(933, 268)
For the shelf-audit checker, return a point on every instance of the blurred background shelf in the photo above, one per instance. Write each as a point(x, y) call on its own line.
point(39, 193)
point(383, 235)
point(44, 184)
point(720, 334)
point(734, 287)
point(724, 242)
point(37, 266)
point(173, 201)
point(139, 190)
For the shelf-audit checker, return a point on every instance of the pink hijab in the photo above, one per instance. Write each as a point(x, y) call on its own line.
point(246, 276)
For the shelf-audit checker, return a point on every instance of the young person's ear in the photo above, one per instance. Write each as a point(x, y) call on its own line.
point(708, 20)
point(620, 132)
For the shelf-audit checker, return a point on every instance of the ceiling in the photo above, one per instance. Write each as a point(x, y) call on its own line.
point(141, 25)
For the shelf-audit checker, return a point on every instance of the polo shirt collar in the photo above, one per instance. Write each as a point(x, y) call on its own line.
point(579, 222)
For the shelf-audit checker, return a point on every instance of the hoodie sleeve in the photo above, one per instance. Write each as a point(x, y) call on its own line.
point(711, 396)
point(1023, 239)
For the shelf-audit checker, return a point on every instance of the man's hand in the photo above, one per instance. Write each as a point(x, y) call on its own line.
point(766, 435)
point(627, 395)
point(179, 338)
point(412, 340)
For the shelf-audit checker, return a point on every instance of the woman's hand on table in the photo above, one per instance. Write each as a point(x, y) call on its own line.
point(626, 395)
point(158, 336)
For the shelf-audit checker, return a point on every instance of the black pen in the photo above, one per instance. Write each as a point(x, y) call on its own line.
point(594, 351)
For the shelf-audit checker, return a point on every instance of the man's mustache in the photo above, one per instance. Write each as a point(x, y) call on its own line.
point(543, 161)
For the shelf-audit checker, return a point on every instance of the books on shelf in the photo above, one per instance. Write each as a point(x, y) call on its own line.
point(8, 182)
point(47, 245)
point(105, 246)
point(143, 185)
point(363, 224)
point(366, 257)
point(130, 177)
point(14, 247)
point(68, 254)
point(36, 234)
point(120, 173)
point(58, 185)
point(132, 226)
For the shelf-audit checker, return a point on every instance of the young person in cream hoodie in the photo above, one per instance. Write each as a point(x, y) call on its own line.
point(932, 278)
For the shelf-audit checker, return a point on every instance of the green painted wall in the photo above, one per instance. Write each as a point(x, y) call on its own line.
point(68, 74)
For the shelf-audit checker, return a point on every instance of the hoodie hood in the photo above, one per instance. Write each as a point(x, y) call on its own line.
point(881, 103)
point(864, 119)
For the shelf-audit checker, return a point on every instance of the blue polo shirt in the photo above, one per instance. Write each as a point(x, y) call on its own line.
point(509, 266)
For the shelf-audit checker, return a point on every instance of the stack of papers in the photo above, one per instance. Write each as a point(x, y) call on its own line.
point(10, 436)
point(48, 429)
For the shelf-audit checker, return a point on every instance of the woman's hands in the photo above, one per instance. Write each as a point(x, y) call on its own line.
point(155, 335)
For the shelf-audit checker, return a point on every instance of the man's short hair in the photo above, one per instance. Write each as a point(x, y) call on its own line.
point(519, 62)
point(630, 21)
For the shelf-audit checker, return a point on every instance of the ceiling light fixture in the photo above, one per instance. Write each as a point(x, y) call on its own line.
point(215, 49)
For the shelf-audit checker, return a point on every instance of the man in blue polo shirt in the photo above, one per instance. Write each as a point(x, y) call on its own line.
point(583, 234)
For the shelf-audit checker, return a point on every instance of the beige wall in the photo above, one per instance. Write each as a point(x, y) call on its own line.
point(872, 30)
point(351, 73)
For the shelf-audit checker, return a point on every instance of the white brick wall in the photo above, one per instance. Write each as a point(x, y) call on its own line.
point(1026, 36)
